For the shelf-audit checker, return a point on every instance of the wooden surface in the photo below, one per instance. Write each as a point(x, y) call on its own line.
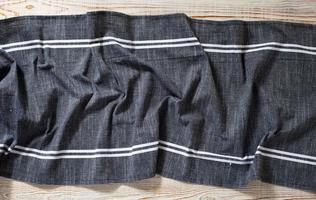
point(286, 10)
point(160, 188)
point(154, 188)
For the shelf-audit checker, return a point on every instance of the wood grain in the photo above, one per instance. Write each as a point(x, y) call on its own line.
point(286, 10)
point(154, 188)
point(160, 188)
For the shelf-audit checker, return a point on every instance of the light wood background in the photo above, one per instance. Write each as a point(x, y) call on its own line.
point(160, 188)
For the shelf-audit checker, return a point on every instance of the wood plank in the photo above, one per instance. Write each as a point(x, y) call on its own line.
point(286, 10)
point(154, 188)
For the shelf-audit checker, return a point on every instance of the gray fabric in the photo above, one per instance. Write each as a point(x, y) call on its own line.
point(191, 109)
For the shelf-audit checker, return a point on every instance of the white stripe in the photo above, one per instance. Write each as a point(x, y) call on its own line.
point(204, 152)
point(259, 49)
point(85, 151)
point(286, 158)
point(188, 42)
point(258, 45)
point(39, 46)
point(287, 153)
point(125, 149)
point(204, 157)
point(4, 145)
point(98, 40)
point(48, 157)
point(134, 152)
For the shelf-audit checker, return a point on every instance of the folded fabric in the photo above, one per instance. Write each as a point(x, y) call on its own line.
point(107, 97)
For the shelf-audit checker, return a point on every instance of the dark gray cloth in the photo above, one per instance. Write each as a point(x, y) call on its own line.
point(107, 97)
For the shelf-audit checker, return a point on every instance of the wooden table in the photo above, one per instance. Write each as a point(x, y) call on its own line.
point(158, 187)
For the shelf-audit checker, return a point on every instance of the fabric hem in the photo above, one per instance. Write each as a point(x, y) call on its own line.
point(289, 185)
point(22, 177)
point(191, 180)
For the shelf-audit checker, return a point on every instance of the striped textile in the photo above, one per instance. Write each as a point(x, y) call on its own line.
point(107, 97)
